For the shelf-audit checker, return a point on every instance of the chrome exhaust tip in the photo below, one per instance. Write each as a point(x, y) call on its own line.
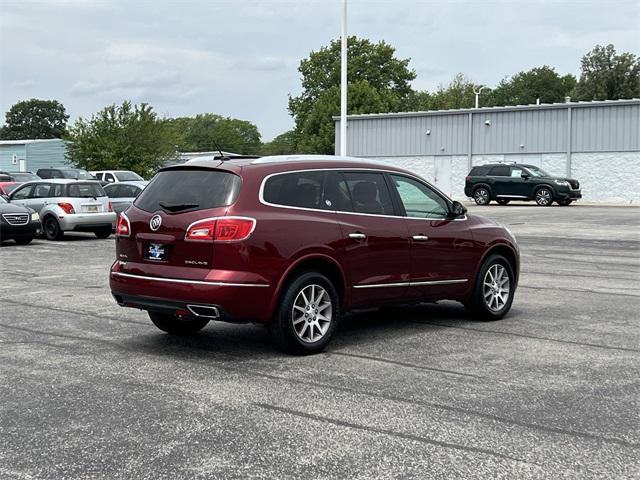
point(204, 311)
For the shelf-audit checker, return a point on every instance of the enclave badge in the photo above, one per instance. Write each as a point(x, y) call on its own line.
point(155, 222)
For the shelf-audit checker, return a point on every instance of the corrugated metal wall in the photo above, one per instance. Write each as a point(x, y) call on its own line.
point(46, 154)
point(6, 156)
point(612, 126)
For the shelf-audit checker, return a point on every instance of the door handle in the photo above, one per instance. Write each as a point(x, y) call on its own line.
point(420, 238)
point(357, 236)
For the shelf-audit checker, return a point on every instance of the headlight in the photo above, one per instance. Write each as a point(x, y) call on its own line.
point(35, 217)
point(562, 183)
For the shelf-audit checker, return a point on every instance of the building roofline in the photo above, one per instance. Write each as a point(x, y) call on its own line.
point(542, 106)
point(24, 142)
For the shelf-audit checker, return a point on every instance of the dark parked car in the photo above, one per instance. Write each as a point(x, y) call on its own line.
point(18, 223)
point(505, 182)
point(72, 173)
point(21, 177)
point(294, 242)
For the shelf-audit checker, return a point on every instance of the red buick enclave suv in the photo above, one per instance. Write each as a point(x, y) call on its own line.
point(296, 241)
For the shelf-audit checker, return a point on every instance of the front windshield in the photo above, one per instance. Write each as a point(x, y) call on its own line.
point(537, 172)
point(128, 176)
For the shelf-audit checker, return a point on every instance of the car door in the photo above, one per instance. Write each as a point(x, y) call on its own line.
point(517, 186)
point(376, 240)
point(39, 196)
point(442, 253)
point(499, 178)
point(20, 196)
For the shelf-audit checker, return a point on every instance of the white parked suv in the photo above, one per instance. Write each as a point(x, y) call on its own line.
point(115, 176)
point(67, 205)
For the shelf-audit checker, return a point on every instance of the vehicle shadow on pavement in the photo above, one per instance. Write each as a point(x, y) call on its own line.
point(246, 342)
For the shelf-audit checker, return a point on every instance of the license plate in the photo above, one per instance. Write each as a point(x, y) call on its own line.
point(92, 209)
point(156, 251)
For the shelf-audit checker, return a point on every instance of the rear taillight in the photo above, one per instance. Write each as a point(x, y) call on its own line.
point(67, 207)
point(123, 228)
point(110, 207)
point(201, 230)
point(221, 229)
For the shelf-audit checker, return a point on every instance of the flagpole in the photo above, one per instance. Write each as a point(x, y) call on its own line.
point(343, 82)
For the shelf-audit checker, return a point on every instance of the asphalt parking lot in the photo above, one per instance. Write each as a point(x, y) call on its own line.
point(91, 390)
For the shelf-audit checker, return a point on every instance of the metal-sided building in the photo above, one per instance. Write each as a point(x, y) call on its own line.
point(596, 142)
point(30, 155)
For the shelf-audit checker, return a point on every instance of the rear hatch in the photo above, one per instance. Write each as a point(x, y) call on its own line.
point(87, 197)
point(161, 216)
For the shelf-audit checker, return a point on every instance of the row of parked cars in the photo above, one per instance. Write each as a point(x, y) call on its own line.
point(54, 201)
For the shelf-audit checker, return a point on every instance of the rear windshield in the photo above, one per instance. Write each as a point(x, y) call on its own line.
point(77, 174)
point(128, 176)
point(85, 190)
point(189, 189)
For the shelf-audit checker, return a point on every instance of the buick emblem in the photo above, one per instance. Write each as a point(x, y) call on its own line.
point(155, 222)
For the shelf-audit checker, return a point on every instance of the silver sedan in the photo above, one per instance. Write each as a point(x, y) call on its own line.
point(122, 194)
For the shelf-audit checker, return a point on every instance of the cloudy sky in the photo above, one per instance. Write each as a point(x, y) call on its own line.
point(239, 58)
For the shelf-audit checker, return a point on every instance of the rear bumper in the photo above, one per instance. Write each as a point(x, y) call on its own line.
point(234, 301)
point(87, 221)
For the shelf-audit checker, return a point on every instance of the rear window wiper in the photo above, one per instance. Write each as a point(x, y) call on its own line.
point(176, 207)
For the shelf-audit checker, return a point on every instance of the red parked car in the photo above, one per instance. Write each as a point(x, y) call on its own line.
point(294, 242)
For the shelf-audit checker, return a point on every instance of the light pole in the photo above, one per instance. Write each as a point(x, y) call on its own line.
point(343, 82)
point(478, 92)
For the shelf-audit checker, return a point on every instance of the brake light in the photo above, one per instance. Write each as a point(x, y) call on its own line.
point(123, 228)
point(221, 229)
point(67, 207)
point(232, 229)
point(110, 207)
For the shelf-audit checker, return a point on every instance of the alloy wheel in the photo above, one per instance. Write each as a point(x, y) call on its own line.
point(481, 196)
point(543, 197)
point(312, 313)
point(496, 287)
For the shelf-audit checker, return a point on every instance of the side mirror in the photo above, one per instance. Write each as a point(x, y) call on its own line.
point(457, 209)
point(525, 175)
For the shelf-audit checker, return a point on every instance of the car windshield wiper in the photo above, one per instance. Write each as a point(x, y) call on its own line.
point(176, 207)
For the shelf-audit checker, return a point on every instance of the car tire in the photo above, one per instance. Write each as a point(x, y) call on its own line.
point(489, 301)
point(482, 196)
point(302, 326)
point(52, 229)
point(564, 203)
point(544, 197)
point(103, 232)
point(502, 201)
point(174, 325)
point(24, 240)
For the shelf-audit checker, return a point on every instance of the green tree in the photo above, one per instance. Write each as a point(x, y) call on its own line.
point(378, 82)
point(202, 132)
point(458, 93)
point(283, 144)
point(608, 76)
point(525, 88)
point(31, 119)
point(127, 137)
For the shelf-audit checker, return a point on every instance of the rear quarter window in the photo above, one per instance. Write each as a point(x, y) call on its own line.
point(298, 189)
point(198, 188)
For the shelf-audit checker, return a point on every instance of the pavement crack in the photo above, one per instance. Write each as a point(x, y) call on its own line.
point(392, 433)
point(406, 364)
